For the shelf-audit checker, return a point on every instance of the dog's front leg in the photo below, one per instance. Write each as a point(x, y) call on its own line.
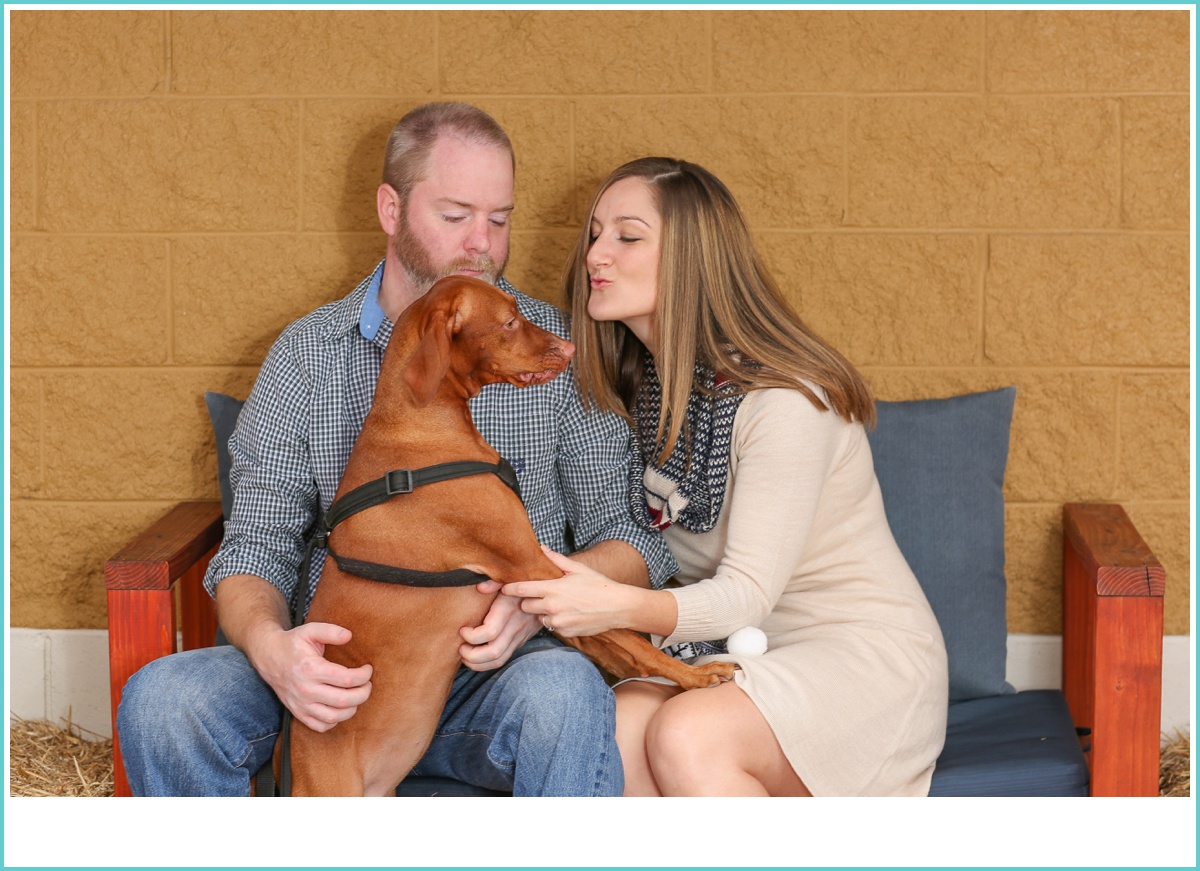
point(624, 653)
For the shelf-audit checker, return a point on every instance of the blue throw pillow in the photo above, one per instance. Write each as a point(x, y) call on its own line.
point(940, 464)
point(223, 411)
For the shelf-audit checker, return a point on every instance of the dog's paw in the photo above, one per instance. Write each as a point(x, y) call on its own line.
point(712, 674)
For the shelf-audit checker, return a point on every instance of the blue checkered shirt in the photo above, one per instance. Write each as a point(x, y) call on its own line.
point(295, 433)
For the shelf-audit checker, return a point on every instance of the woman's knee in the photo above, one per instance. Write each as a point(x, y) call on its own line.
point(682, 744)
point(673, 740)
point(637, 703)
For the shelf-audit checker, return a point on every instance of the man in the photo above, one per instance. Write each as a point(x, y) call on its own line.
point(526, 714)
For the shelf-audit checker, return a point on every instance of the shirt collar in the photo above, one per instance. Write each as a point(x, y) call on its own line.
point(372, 316)
point(374, 325)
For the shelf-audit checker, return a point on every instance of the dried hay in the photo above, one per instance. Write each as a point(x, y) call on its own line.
point(1175, 777)
point(58, 760)
point(46, 759)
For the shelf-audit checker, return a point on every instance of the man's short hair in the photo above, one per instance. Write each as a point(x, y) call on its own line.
point(414, 135)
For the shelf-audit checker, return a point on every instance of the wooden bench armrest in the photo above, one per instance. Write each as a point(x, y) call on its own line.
point(1113, 590)
point(166, 550)
point(141, 581)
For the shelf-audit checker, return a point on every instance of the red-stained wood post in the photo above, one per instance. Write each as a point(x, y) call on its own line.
point(1113, 591)
point(141, 599)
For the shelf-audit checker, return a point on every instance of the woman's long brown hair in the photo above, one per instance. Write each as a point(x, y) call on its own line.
point(717, 305)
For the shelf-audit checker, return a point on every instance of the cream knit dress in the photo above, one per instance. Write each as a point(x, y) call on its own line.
point(854, 681)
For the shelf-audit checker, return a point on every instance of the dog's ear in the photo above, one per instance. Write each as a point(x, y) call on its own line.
point(427, 367)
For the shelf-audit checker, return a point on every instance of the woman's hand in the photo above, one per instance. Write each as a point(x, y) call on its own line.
point(582, 602)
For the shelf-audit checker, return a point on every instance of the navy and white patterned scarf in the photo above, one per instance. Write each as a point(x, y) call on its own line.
point(690, 494)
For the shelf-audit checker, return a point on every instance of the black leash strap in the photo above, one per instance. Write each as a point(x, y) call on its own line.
point(397, 482)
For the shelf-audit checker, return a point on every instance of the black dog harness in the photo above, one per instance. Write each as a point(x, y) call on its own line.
point(398, 482)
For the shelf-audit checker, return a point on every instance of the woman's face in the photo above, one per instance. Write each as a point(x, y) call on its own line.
point(622, 259)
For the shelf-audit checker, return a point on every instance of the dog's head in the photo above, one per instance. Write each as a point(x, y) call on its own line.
point(472, 332)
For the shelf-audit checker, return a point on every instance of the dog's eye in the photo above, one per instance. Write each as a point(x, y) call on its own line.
point(511, 325)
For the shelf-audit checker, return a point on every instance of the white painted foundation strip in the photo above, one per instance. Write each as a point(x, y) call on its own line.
point(56, 671)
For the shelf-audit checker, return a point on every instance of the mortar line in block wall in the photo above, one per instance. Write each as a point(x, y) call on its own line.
point(985, 262)
point(170, 302)
point(37, 205)
point(1125, 503)
point(575, 217)
point(986, 95)
point(167, 49)
point(993, 369)
point(859, 230)
point(176, 235)
point(1120, 170)
point(157, 504)
point(302, 105)
point(41, 434)
point(214, 369)
point(1087, 95)
point(1115, 481)
point(629, 96)
point(983, 64)
point(845, 161)
point(709, 27)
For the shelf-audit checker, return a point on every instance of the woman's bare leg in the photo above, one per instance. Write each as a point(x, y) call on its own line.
point(637, 703)
point(716, 742)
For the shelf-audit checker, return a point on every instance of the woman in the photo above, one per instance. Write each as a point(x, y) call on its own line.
point(757, 468)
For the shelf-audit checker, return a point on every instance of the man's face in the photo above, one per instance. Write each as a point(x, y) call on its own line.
point(456, 219)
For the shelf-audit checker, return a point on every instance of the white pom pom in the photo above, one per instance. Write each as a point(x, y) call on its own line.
point(747, 641)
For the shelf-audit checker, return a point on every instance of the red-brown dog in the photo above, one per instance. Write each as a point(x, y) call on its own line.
point(461, 336)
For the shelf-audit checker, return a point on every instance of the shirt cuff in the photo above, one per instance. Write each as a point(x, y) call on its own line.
point(660, 564)
point(229, 563)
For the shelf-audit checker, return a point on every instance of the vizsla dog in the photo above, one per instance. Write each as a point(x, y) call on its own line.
point(462, 335)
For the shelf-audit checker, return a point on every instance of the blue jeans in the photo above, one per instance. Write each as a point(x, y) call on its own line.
point(203, 722)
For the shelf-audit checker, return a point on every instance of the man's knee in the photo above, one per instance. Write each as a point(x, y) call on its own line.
point(185, 688)
point(150, 695)
point(561, 685)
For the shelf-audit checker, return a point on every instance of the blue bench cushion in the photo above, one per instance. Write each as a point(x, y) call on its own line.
point(940, 464)
point(1014, 745)
point(223, 412)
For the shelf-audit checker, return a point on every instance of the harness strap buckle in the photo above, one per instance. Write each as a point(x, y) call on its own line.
point(399, 481)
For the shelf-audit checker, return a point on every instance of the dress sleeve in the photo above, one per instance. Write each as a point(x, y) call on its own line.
point(786, 449)
point(271, 475)
point(595, 453)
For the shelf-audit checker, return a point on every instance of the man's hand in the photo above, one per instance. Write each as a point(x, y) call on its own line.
point(505, 628)
point(319, 693)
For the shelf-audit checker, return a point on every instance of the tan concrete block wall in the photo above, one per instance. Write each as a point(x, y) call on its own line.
point(959, 199)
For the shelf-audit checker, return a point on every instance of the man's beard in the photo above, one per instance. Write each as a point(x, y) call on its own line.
point(423, 272)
